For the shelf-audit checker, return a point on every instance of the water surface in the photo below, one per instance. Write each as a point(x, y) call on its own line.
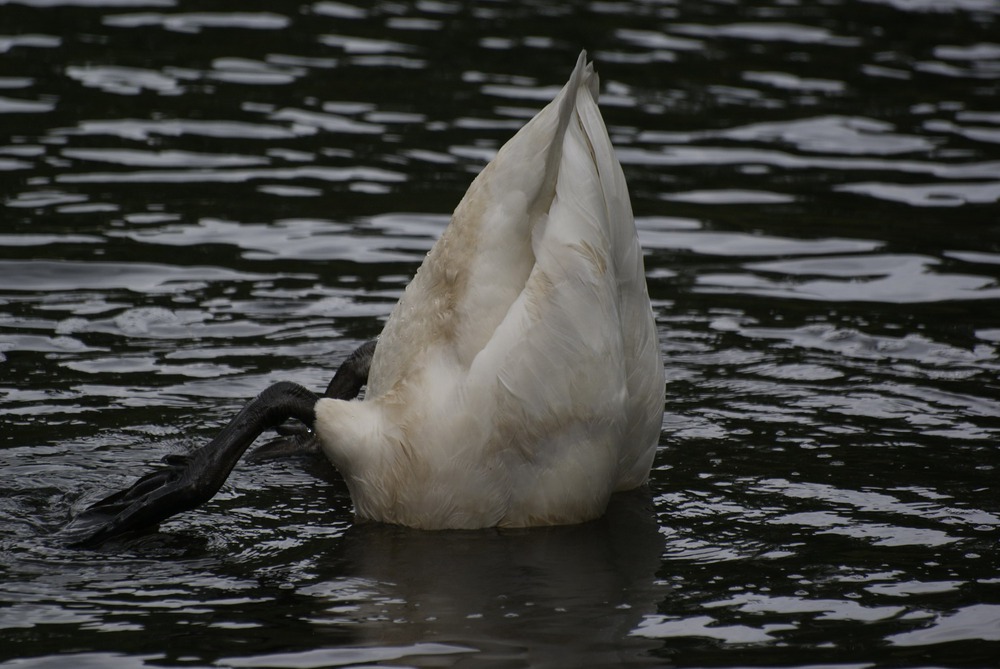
point(202, 199)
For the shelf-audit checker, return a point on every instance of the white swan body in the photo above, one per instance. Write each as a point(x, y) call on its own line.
point(518, 381)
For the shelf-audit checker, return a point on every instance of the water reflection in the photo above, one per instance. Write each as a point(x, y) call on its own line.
point(501, 593)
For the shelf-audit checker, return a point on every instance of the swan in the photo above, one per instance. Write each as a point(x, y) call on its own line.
point(517, 382)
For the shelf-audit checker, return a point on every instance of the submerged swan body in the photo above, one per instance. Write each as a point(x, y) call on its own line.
point(517, 382)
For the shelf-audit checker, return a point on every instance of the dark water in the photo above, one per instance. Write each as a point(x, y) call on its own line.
point(199, 199)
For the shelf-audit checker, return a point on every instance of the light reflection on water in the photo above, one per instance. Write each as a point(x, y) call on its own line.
point(199, 202)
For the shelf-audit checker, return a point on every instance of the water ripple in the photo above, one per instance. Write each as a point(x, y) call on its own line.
point(34, 275)
point(195, 22)
point(767, 32)
point(143, 130)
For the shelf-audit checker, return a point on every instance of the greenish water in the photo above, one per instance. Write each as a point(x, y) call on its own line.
point(200, 199)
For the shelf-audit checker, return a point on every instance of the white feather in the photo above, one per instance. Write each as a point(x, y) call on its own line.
point(518, 381)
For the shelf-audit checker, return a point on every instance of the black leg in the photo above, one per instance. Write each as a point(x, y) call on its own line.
point(294, 438)
point(192, 479)
point(352, 373)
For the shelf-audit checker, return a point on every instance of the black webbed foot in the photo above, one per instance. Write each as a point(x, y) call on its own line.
point(189, 480)
point(150, 500)
point(192, 479)
point(294, 439)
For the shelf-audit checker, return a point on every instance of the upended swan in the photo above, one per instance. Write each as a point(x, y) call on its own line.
point(517, 382)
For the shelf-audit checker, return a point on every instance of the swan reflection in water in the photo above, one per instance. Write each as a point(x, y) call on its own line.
point(566, 596)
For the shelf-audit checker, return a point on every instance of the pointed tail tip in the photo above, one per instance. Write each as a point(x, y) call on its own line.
point(582, 66)
point(584, 73)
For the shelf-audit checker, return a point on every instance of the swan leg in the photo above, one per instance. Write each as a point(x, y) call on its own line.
point(296, 438)
point(192, 479)
point(352, 373)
